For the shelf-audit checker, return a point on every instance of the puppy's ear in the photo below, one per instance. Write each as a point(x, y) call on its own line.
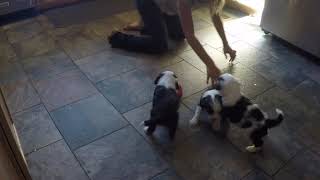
point(256, 113)
point(177, 85)
point(158, 78)
point(174, 75)
point(207, 103)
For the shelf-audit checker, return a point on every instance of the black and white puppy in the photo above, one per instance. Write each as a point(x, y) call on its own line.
point(165, 105)
point(227, 104)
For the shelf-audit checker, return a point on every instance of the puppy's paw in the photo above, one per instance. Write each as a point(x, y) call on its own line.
point(193, 123)
point(146, 129)
point(253, 149)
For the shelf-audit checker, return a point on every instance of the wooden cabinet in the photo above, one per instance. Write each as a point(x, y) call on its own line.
point(12, 162)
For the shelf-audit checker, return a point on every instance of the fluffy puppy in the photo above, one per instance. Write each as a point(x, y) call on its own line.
point(165, 105)
point(228, 105)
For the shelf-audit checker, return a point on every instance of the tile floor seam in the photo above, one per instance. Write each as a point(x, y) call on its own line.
point(247, 175)
point(63, 138)
point(28, 38)
point(274, 82)
point(157, 174)
point(101, 137)
point(285, 163)
point(153, 148)
point(38, 149)
point(108, 78)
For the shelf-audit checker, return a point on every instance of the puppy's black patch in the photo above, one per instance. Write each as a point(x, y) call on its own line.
point(207, 104)
point(158, 78)
point(164, 111)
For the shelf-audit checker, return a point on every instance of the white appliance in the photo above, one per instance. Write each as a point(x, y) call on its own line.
point(296, 21)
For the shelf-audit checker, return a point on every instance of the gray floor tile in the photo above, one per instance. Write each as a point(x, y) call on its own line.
point(128, 16)
point(80, 44)
point(191, 79)
point(247, 54)
point(104, 27)
point(64, 89)
point(211, 37)
point(121, 155)
point(309, 134)
point(218, 58)
point(6, 52)
point(252, 84)
point(279, 147)
point(20, 96)
point(199, 23)
point(257, 175)
point(153, 63)
point(47, 65)
point(84, 121)
point(55, 162)
point(128, 90)
point(303, 166)
point(35, 128)
point(105, 65)
point(277, 72)
point(204, 156)
point(308, 92)
point(35, 46)
point(313, 73)
point(239, 26)
point(160, 137)
point(295, 109)
point(11, 72)
point(192, 101)
point(167, 175)
point(23, 31)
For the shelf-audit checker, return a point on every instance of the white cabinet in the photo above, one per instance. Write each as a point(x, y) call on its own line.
point(296, 21)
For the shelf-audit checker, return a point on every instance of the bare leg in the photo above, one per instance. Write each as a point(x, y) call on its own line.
point(195, 120)
point(135, 26)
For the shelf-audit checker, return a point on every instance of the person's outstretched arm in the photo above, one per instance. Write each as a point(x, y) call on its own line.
point(187, 25)
point(226, 47)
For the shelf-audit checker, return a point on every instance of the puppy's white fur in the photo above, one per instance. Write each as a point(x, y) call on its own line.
point(216, 107)
point(167, 80)
point(230, 89)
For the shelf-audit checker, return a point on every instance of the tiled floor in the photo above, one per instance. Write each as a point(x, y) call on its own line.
point(78, 104)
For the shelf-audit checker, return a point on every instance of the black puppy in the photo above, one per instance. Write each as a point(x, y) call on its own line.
point(165, 105)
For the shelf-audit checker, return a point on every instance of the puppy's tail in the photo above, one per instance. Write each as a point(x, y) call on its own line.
point(271, 123)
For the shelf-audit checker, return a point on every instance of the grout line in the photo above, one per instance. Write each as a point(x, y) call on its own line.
point(66, 143)
point(157, 174)
point(101, 137)
point(40, 148)
point(247, 175)
point(285, 163)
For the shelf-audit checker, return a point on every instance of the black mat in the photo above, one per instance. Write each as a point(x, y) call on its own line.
point(87, 11)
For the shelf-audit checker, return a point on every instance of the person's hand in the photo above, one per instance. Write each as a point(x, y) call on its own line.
point(212, 73)
point(232, 53)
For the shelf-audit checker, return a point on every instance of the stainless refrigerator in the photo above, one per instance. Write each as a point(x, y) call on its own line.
point(295, 21)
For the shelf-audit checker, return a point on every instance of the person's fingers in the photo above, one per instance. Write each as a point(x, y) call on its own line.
point(225, 55)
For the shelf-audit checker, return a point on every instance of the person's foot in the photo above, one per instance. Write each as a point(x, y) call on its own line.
point(136, 26)
point(115, 39)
